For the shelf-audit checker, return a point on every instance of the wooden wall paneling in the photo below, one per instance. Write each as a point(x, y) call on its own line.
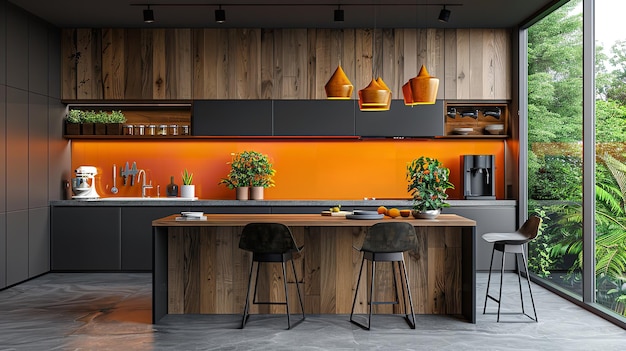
point(312, 265)
point(175, 282)
point(328, 270)
point(463, 70)
point(410, 53)
point(89, 65)
point(225, 246)
point(398, 55)
point(147, 57)
point(278, 65)
point(208, 267)
point(363, 55)
point(502, 64)
point(294, 64)
point(326, 59)
point(248, 61)
point(224, 69)
point(177, 64)
point(450, 66)
point(69, 60)
point(477, 67)
point(241, 271)
point(113, 58)
point(388, 62)
point(233, 64)
point(348, 59)
point(377, 53)
point(435, 44)
point(488, 63)
point(294, 304)
point(134, 67)
point(267, 64)
point(361, 299)
point(436, 271)
point(204, 63)
point(311, 63)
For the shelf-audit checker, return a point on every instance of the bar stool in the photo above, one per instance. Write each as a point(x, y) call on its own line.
point(386, 242)
point(269, 242)
point(513, 243)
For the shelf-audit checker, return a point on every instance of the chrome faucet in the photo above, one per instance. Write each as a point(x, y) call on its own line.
point(144, 186)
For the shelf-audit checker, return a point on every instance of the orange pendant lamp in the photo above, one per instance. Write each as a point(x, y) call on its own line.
point(339, 86)
point(420, 90)
point(375, 97)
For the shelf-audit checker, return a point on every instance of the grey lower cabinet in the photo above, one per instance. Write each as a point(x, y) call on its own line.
point(488, 219)
point(137, 235)
point(3, 251)
point(85, 238)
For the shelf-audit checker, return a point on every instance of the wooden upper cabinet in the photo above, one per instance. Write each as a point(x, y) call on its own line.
point(253, 63)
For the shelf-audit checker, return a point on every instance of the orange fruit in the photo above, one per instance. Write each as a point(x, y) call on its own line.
point(405, 213)
point(382, 210)
point(393, 212)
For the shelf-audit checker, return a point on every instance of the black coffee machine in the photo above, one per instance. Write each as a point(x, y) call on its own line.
point(480, 177)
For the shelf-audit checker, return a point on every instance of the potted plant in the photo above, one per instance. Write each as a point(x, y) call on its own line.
point(187, 190)
point(100, 120)
point(114, 122)
point(73, 122)
point(89, 120)
point(428, 182)
point(249, 169)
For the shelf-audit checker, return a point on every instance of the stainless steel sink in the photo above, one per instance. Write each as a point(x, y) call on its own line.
point(139, 198)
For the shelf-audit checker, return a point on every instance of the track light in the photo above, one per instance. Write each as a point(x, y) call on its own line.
point(444, 15)
point(148, 15)
point(339, 14)
point(220, 15)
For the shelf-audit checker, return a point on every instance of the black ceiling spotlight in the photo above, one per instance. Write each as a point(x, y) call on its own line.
point(220, 15)
point(444, 15)
point(148, 15)
point(338, 14)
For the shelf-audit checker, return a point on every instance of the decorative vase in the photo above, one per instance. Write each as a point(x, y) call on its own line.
point(188, 191)
point(172, 188)
point(428, 214)
point(256, 193)
point(242, 193)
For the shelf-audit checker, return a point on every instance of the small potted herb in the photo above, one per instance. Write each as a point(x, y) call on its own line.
point(187, 190)
point(249, 169)
point(73, 122)
point(114, 122)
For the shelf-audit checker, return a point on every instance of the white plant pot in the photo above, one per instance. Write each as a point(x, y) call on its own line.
point(256, 193)
point(188, 191)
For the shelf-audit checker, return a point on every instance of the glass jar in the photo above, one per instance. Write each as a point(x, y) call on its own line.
point(162, 129)
point(151, 130)
point(184, 130)
point(128, 129)
point(173, 129)
point(140, 129)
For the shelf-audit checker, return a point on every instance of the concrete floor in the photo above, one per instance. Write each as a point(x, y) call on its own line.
point(112, 311)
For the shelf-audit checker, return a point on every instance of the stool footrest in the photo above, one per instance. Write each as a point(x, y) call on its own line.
point(493, 298)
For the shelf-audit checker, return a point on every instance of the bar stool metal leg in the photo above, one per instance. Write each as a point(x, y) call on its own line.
point(286, 295)
point(356, 292)
point(501, 278)
point(371, 297)
point(530, 290)
point(489, 279)
point(408, 289)
point(247, 305)
point(295, 277)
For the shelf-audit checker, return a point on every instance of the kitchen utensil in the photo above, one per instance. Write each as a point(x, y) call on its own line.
point(125, 173)
point(463, 131)
point(472, 113)
point(336, 214)
point(132, 173)
point(84, 184)
point(493, 113)
point(114, 189)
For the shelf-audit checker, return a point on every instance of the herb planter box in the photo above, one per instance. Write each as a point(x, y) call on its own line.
point(114, 128)
point(72, 128)
point(87, 128)
point(100, 129)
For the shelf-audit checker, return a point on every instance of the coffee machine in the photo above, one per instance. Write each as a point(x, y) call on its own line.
point(479, 180)
point(84, 184)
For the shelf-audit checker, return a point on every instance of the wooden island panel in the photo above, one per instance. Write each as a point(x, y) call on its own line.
point(208, 273)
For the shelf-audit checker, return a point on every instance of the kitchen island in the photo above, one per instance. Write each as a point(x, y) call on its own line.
point(199, 269)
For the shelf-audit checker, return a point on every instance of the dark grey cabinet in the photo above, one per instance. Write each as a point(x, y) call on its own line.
point(38, 241)
point(231, 118)
point(86, 238)
point(3, 251)
point(314, 117)
point(402, 121)
point(16, 246)
point(137, 235)
point(488, 219)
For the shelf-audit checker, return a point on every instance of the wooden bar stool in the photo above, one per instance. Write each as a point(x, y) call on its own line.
point(269, 242)
point(386, 242)
point(513, 243)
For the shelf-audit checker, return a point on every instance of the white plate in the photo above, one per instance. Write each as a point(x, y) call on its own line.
point(463, 131)
point(364, 212)
point(192, 214)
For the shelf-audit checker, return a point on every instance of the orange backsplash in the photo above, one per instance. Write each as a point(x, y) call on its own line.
point(317, 169)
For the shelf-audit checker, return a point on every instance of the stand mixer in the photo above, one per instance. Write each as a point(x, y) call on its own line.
point(84, 185)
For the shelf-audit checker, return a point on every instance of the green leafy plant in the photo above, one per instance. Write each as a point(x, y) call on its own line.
point(249, 168)
point(116, 117)
point(75, 116)
point(187, 177)
point(428, 182)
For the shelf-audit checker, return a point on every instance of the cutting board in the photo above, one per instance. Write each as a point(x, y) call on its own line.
point(340, 213)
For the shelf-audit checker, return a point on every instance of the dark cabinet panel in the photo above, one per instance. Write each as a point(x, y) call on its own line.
point(137, 235)
point(3, 43)
point(232, 118)
point(16, 47)
point(314, 117)
point(37, 150)
point(17, 150)
point(86, 238)
point(37, 56)
point(38, 241)
point(488, 220)
point(17, 246)
point(402, 121)
point(3, 138)
point(3, 251)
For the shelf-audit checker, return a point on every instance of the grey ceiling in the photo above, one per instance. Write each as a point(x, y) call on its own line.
point(285, 14)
